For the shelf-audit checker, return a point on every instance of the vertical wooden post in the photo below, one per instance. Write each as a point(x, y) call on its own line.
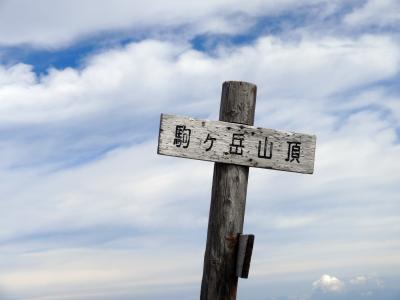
point(228, 201)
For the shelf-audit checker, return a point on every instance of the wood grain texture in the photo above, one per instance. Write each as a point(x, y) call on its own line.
point(228, 201)
point(238, 144)
point(245, 250)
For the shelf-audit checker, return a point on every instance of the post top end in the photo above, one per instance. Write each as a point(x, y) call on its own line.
point(239, 82)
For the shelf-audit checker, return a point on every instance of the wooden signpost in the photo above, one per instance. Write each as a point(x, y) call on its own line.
point(234, 145)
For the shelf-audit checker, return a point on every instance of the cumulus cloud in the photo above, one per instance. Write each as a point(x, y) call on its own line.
point(359, 280)
point(113, 86)
point(360, 287)
point(329, 283)
point(129, 75)
point(370, 281)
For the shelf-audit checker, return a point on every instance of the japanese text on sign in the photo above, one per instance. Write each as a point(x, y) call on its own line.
point(182, 137)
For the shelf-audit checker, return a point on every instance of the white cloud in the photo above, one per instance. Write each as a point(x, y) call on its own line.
point(50, 24)
point(369, 281)
point(113, 86)
point(359, 280)
point(117, 225)
point(375, 12)
point(120, 199)
point(78, 273)
point(329, 283)
point(126, 77)
point(19, 74)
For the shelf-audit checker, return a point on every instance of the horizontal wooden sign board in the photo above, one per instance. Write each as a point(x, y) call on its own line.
point(238, 144)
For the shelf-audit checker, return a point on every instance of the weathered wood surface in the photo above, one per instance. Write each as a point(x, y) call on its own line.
point(236, 144)
point(228, 201)
point(245, 250)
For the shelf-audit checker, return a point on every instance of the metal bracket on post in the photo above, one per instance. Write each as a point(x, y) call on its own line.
point(245, 249)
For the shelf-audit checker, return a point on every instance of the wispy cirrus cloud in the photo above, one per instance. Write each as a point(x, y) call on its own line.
point(66, 23)
point(121, 19)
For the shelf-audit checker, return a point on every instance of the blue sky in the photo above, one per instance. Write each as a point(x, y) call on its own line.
point(90, 211)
